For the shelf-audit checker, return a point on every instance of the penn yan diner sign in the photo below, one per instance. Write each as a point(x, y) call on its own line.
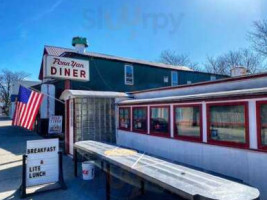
point(66, 68)
point(42, 162)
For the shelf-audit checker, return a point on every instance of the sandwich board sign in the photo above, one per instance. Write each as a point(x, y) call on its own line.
point(44, 164)
point(42, 161)
point(55, 124)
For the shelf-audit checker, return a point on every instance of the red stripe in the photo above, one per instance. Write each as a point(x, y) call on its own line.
point(31, 111)
point(25, 114)
point(19, 113)
point(22, 110)
point(35, 111)
point(14, 116)
point(28, 108)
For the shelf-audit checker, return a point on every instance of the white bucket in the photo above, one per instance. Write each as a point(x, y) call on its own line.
point(88, 170)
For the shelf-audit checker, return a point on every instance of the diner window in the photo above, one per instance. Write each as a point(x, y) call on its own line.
point(174, 77)
point(212, 77)
point(128, 75)
point(188, 123)
point(160, 120)
point(227, 124)
point(165, 79)
point(262, 124)
point(140, 119)
point(124, 118)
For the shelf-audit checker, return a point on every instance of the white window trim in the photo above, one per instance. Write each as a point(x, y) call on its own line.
point(125, 82)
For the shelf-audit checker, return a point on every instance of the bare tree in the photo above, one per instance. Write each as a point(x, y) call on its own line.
point(7, 79)
point(216, 65)
point(172, 58)
point(243, 57)
point(259, 37)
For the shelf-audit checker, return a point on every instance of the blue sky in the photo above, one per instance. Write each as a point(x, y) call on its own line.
point(136, 29)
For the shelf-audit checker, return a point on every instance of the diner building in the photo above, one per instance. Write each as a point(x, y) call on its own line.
point(105, 73)
point(217, 126)
point(207, 121)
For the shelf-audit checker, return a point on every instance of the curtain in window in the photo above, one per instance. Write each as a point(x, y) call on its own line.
point(227, 123)
point(187, 121)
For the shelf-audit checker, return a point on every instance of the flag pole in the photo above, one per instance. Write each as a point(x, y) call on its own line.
point(30, 88)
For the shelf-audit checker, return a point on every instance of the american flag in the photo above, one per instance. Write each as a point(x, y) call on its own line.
point(27, 107)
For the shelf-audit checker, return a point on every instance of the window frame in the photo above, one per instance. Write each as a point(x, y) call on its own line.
point(129, 111)
point(166, 135)
point(258, 122)
point(213, 78)
point(174, 72)
point(188, 138)
point(136, 130)
point(125, 74)
point(228, 143)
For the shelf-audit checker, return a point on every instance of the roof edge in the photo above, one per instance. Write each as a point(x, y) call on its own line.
point(68, 94)
point(197, 97)
point(230, 79)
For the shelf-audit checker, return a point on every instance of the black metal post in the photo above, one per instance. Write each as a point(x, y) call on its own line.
point(60, 168)
point(108, 180)
point(102, 165)
point(75, 159)
point(142, 187)
point(23, 184)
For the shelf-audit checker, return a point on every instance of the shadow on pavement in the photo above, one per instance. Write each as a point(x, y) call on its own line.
point(13, 139)
point(13, 145)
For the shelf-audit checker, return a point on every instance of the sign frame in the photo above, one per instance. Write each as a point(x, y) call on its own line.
point(26, 159)
point(77, 69)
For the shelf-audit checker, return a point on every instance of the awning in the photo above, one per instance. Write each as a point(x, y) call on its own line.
point(69, 94)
